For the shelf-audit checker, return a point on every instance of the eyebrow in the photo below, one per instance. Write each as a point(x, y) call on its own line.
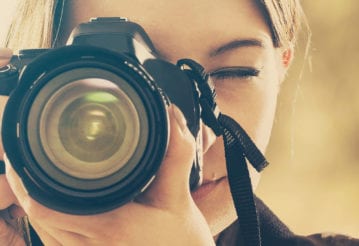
point(235, 44)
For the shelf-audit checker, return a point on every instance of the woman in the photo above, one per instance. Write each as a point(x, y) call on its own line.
point(224, 37)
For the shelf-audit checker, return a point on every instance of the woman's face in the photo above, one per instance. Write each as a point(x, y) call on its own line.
point(222, 36)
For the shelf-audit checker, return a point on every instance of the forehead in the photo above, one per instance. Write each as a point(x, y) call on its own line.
point(180, 28)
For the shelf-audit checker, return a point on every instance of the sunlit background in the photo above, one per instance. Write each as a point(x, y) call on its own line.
point(313, 180)
point(7, 8)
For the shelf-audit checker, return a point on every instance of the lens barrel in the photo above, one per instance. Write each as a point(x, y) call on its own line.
point(86, 129)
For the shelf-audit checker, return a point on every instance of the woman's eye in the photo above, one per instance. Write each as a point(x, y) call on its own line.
point(243, 73)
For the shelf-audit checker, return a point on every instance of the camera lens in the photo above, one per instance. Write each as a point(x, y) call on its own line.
point(87, 131)
point(91, 131)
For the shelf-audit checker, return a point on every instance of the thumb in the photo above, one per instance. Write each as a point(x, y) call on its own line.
point(171, 185)
point(5, 56)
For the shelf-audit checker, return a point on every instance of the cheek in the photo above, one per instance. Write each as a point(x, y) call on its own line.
point(252, 104)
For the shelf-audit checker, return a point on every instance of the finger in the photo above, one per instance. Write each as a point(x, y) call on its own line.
point(9, 219)
point(3, 101)
point(171, 185)
point(6, 232)
point(31, 207)
point(5, 56)
point(11, 216)
point(54, 236)
point(45, 237)
point(11, 213)
point(7, 196)
point(9, 235)
point(48, 218)
point(16, 211)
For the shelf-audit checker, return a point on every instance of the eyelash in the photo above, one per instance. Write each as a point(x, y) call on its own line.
point(244, 73)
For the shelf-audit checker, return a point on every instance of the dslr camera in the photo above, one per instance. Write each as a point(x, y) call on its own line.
point(86, 126)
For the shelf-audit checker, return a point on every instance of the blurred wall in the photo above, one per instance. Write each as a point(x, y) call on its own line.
point(313, 180)
point(6, 14)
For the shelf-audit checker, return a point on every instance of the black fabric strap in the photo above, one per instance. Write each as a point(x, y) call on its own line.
point(238, 147)
point(238, 177)
point(239, 136)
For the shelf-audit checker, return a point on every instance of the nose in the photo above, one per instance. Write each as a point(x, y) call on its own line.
point(208, 138)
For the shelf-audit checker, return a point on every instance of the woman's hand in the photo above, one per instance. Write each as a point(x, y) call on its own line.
point(9, 207)
point(9, 212)
point(5, 56)
point(165, 214)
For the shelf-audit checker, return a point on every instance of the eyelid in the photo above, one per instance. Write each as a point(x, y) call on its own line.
point(249, 70)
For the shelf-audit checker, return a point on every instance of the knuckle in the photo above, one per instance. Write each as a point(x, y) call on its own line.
point(34, 209)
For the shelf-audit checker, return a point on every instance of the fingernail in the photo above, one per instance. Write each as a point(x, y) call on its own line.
point(181, 121)
point(5, 53)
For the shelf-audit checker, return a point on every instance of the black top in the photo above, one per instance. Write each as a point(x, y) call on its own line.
point(274, 232)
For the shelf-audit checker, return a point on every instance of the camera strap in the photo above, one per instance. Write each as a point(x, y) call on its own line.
point(239, 148)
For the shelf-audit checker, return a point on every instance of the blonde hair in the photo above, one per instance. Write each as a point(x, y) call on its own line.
point(284, 17)
point(33, 25)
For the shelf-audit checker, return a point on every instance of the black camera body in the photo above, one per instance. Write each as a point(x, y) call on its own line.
point(86, 126)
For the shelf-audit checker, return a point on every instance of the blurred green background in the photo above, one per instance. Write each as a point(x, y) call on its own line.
point(313, 180)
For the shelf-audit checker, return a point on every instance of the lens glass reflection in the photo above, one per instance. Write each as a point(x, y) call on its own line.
point(89, 128)
point(93, 127)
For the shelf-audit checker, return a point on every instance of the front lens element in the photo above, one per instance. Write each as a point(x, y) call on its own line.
point(89, 128)
point(92, 130)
